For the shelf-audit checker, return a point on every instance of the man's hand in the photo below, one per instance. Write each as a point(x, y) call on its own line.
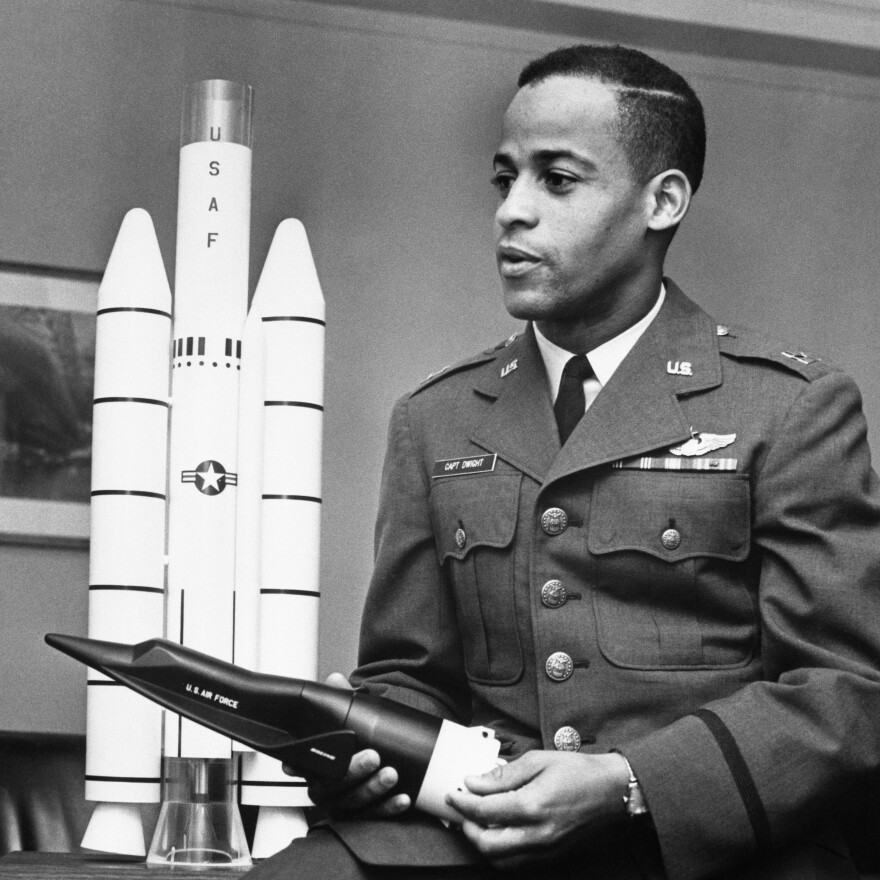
point(541, 804)
point(363, 789)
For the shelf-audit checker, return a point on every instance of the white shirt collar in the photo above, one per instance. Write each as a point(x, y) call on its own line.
point(604, 359)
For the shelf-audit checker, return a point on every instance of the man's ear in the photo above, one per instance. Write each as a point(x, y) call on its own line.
point(670, 197)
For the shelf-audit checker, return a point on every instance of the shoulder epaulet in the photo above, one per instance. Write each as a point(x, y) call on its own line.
point(503, 344)
point(473, 361)
point(742, 343)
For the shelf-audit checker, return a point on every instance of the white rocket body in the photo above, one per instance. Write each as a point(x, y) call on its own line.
point(242, 477)
point(210, 304)
point(285, 378)
point(126, 565)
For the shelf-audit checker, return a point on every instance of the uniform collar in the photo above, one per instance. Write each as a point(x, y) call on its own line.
point(604, 359)
point(636, 412)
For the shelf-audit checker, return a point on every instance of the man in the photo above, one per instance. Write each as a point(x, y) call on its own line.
point(659, 588)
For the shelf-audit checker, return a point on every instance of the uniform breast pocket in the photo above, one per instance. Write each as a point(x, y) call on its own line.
point(675, 586)
point(474, 522)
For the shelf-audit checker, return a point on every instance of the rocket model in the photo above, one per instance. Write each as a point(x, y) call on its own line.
point(313, 727)
point(222, 481)
point(279, 505)
point(126, 565)
point(210, 305)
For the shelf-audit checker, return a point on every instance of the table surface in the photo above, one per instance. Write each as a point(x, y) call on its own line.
point(94, 866)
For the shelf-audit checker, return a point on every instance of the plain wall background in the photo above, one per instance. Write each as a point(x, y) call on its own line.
point(376, 129)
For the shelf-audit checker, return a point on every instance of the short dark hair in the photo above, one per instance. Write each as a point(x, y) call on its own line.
point(661, 118)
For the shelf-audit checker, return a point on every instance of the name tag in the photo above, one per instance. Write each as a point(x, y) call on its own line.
point(454, 467)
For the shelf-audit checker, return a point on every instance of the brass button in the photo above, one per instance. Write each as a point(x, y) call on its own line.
point(567, 739)
point(554, 521)
point(559, 666)
point(671, 539)
point(553, 594)
point(460, 538)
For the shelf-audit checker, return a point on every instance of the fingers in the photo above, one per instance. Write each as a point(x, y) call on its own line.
point(363, 765)
point(369, 798)
point(365, 787)
point(506, 777)
point(338, 680)
point(495, 843)
point(494, 798)
point(389, 808)
point(507, 808)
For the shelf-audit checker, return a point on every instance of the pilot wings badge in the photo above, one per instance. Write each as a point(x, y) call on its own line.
point(702, 442)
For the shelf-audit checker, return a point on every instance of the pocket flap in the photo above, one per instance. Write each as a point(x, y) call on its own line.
point(672, 516)
point(470, 512)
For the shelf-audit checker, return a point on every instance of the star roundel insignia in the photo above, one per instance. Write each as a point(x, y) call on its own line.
point(210, 477)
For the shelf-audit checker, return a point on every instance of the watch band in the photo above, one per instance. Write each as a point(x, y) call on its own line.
point(634, 800)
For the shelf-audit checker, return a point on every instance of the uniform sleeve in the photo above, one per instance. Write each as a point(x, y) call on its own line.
point(748, 773)
point(410, 650)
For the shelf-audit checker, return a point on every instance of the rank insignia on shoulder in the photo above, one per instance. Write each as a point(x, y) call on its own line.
point(503, 344)
point(801, 357)
point(702, 442)
point(434, 374)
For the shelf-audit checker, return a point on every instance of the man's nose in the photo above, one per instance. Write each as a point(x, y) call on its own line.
point(518, 206)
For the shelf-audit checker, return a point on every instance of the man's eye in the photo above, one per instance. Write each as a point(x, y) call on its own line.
point(559, 182)
point(502, 181)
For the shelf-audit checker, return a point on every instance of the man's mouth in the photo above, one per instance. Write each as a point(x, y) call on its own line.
point(515, 261)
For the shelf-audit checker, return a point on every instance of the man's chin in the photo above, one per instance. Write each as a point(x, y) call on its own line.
point(527, 305)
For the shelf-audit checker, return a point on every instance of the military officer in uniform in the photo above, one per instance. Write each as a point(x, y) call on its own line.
point(659, 585)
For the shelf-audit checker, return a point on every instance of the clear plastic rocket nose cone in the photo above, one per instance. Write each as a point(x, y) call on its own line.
point(200, 825)
point(217, 110)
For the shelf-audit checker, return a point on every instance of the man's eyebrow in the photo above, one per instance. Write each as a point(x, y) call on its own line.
point(545, 157)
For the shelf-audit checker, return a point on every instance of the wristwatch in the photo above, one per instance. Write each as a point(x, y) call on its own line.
point(634, 800)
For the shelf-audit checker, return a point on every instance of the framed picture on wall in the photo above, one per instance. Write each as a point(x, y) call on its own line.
point(47, 359)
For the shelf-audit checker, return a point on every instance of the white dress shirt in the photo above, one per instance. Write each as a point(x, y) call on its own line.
point(604, 359)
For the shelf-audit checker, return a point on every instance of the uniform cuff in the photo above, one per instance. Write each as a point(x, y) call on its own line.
point(701, 820)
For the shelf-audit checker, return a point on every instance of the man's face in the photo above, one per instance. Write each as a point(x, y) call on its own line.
point(571, 226)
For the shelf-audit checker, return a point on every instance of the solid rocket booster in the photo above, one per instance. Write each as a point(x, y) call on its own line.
point(126, 564)
point(210, 302)
point(286, 322)
point(314, 727)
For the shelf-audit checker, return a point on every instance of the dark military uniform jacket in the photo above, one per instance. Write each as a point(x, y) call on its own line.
point(713, 615)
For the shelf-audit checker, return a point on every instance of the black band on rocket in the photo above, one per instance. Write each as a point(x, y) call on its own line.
point(91, 777)
point(127, 587)
point(138, 492)
point(149, 400)
point(143, 311)
point(293, 403)
point(269, 591)
point(267, 318)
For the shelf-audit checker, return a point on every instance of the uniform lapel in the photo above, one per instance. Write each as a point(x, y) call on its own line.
point(638, 410)
point(520, 425)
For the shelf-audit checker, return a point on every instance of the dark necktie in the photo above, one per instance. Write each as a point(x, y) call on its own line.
point(570, 402)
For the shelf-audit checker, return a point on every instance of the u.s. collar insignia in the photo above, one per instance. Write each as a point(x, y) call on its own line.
point(702, 442)
point(680, 368)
